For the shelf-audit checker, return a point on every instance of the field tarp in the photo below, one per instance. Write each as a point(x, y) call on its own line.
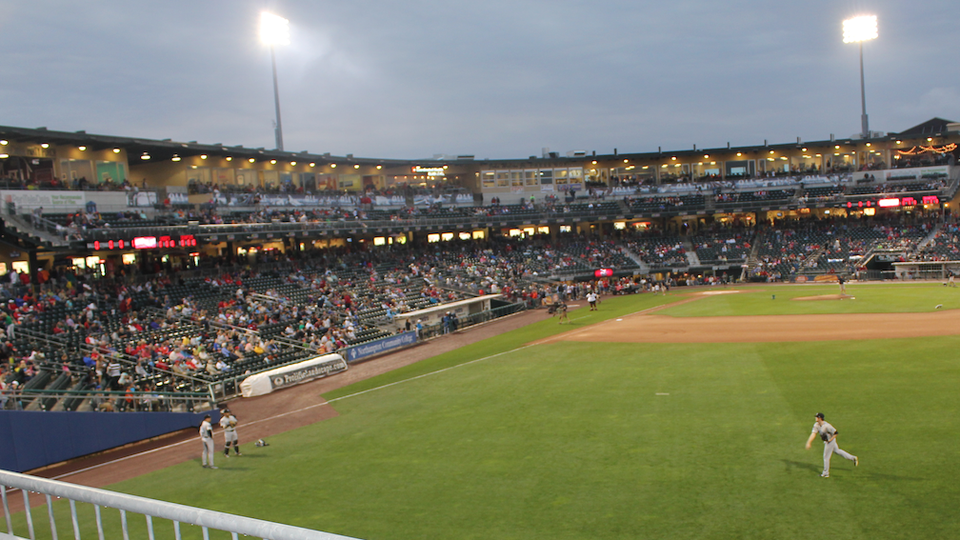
point(314, 368)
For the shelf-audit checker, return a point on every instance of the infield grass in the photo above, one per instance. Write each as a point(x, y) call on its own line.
point(610, 441)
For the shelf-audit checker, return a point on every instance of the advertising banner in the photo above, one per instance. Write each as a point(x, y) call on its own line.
point(143, 199)
point(178, 198)
point(51, 201)
point(381, 346)
point(314, 368)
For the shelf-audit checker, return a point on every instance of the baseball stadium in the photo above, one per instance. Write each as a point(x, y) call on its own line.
point(209, 341)
point(392, 351)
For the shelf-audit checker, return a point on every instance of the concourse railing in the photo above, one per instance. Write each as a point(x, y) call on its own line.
point(472, 319)
point(149, 509)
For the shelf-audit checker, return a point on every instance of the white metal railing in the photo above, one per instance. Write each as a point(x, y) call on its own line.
point(149, 508)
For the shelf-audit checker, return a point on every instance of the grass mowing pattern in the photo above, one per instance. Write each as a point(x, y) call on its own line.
point(571, 441)
point(779, 300)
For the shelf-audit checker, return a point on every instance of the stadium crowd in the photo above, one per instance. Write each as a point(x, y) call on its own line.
point(166, 329)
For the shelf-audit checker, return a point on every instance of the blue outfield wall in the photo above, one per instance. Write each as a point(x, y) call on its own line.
point(380, 346)
point(32, 439)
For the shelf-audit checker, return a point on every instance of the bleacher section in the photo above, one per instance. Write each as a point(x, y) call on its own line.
point(660, 251)
point(722, 248)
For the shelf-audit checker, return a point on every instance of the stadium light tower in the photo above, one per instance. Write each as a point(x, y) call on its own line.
point(275, 30)
point(858, 30)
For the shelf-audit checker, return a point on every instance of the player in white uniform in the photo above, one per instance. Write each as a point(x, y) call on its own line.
point(229, 424)
point(206, 437)
point(829, 435)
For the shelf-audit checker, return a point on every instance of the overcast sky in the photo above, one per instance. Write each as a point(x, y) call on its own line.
point(490, 78)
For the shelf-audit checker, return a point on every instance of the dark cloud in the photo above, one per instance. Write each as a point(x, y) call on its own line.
point(495, 78)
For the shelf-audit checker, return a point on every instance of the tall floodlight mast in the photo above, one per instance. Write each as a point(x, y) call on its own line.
point(858, 30)
point(275, 30)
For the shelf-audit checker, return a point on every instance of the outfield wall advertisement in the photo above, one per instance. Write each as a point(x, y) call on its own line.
point(381, 346)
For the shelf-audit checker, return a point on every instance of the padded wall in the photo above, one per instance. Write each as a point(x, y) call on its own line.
point(31, 439)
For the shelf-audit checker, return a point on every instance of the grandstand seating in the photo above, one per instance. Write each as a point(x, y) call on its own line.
point(660, 251)
point(722, 248)
point(653, 205)
point(298, 304)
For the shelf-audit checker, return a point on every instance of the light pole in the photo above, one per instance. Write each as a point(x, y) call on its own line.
point(275, 30)
point(858, 30)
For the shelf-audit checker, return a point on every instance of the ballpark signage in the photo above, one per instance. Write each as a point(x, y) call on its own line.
point(315, 368)
point(315, 371)
point(381, 346)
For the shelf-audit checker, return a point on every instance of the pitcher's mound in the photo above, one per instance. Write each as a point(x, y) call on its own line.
point(828, 297)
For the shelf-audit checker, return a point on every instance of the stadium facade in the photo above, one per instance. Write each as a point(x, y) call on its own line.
point(49, 175)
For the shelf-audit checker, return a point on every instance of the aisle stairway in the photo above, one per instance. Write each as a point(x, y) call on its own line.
point(692, 258)
point(644, 267)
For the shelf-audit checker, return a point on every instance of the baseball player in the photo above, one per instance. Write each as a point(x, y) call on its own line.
point(592, 298)
point(229, 424)
point(562, 310)
point(206, 437)
point(829, 435)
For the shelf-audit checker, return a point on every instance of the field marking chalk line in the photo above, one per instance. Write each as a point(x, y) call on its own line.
point(287, 413)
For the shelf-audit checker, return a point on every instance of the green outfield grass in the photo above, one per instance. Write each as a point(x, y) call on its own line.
point(612, 441)
point(779, 300)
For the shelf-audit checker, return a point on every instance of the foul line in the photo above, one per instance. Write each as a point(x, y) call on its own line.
point(281, 415)
point(326, 403)
point(432, 373)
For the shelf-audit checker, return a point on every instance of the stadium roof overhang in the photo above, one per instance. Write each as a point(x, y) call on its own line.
point(166, 149)
point(935, 127)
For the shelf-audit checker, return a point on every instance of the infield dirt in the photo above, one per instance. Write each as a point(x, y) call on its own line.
point(648, 327)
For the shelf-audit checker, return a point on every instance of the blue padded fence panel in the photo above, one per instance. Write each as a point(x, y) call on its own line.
point(32, 439)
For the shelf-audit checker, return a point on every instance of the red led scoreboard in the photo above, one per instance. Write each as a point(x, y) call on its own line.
point(895, 202)
point(147, 242)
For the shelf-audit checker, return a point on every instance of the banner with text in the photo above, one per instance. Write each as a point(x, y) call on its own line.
point(315, 368)
point(381, 346)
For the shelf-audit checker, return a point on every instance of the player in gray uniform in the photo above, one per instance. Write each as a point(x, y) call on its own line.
point(229, 424)
point(206, 437)
point(829, 435)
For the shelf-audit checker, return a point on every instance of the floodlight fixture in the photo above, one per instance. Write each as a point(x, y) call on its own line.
point(857, 30)
point(275, 30)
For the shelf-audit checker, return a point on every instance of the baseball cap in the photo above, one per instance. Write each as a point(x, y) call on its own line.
point(820, 415)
